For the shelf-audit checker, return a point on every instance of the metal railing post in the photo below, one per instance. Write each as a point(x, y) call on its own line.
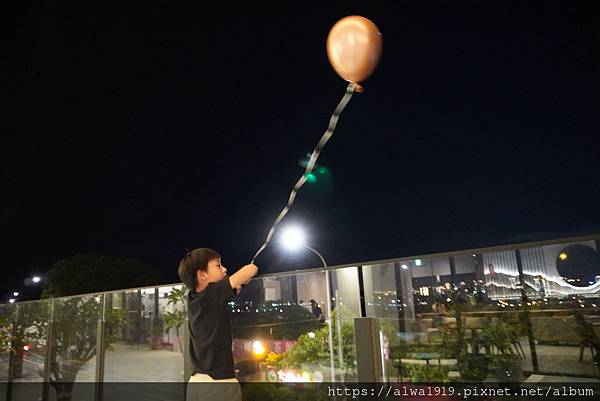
point(187, 361)
point(368, 349)
point(48, 355)
point(100, 350)
point(330, 326)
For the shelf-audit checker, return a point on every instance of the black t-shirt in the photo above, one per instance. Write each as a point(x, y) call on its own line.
point(210, 330)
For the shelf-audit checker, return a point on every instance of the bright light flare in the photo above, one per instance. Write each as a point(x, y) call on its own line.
point(258, 349)
point(293, 238)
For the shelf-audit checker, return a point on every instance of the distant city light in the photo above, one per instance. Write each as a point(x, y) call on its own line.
point(15, 294)
point(36, 279)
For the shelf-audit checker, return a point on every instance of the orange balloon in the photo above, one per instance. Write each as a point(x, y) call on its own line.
point(353, 47)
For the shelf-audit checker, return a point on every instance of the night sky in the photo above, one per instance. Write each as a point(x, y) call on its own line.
point(141, 130)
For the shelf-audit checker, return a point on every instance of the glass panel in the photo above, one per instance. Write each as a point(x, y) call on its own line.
point(73, 352)
point(30, 343)
point(7, 318)
point(346, 303)
point(145, 326)
point(409, 298)
point(280, 329)
point(383, 299)
point(452, 329)
point(31, 336)
point(562, 282)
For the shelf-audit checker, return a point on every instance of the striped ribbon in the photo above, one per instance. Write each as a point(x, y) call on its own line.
point(352, 87)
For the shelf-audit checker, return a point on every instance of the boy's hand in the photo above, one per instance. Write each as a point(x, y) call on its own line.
point(254, 266)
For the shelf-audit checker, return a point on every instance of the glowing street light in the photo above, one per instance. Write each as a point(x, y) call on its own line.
point(15, 294)
point(293, 238)
point(36, 279)
point(12, 300)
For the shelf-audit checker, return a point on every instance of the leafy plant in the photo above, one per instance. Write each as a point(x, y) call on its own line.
point(5, 334)
point(498, 335)
point(473, 367)
point(428, 373)
point(176, 318)
point(314, 349)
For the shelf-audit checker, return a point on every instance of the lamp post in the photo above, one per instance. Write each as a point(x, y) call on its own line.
point(292, 239)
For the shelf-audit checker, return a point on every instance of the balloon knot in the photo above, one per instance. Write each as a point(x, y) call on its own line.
point(357, 87)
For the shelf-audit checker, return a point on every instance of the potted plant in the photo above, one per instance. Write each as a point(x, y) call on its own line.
point(505, 364)
point(473, 366)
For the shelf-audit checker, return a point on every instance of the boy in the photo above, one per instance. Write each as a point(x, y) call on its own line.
point(210, 289)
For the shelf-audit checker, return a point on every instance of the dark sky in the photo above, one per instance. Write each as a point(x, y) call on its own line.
point(140, 130)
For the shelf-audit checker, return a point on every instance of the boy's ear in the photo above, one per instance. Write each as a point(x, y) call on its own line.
point(200, 275)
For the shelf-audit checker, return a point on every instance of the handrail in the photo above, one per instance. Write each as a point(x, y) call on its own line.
point(515, 246)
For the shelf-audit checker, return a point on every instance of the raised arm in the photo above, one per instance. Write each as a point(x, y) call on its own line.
point(243, 276)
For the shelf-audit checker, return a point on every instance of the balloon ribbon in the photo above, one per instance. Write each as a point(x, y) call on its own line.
point(312, 161)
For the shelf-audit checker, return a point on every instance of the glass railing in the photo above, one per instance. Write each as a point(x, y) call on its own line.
point(507, 314)
point(145, 326)
point(518, 315)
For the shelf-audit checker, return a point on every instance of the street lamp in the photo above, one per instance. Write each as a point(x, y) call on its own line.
point(36, 279)
point(293, 238)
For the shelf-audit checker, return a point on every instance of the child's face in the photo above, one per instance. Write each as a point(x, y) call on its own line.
point(214, 272)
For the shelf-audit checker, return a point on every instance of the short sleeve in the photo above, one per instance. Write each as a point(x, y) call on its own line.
point(223, 291)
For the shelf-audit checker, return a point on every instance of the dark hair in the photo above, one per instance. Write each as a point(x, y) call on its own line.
point(192, 262)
